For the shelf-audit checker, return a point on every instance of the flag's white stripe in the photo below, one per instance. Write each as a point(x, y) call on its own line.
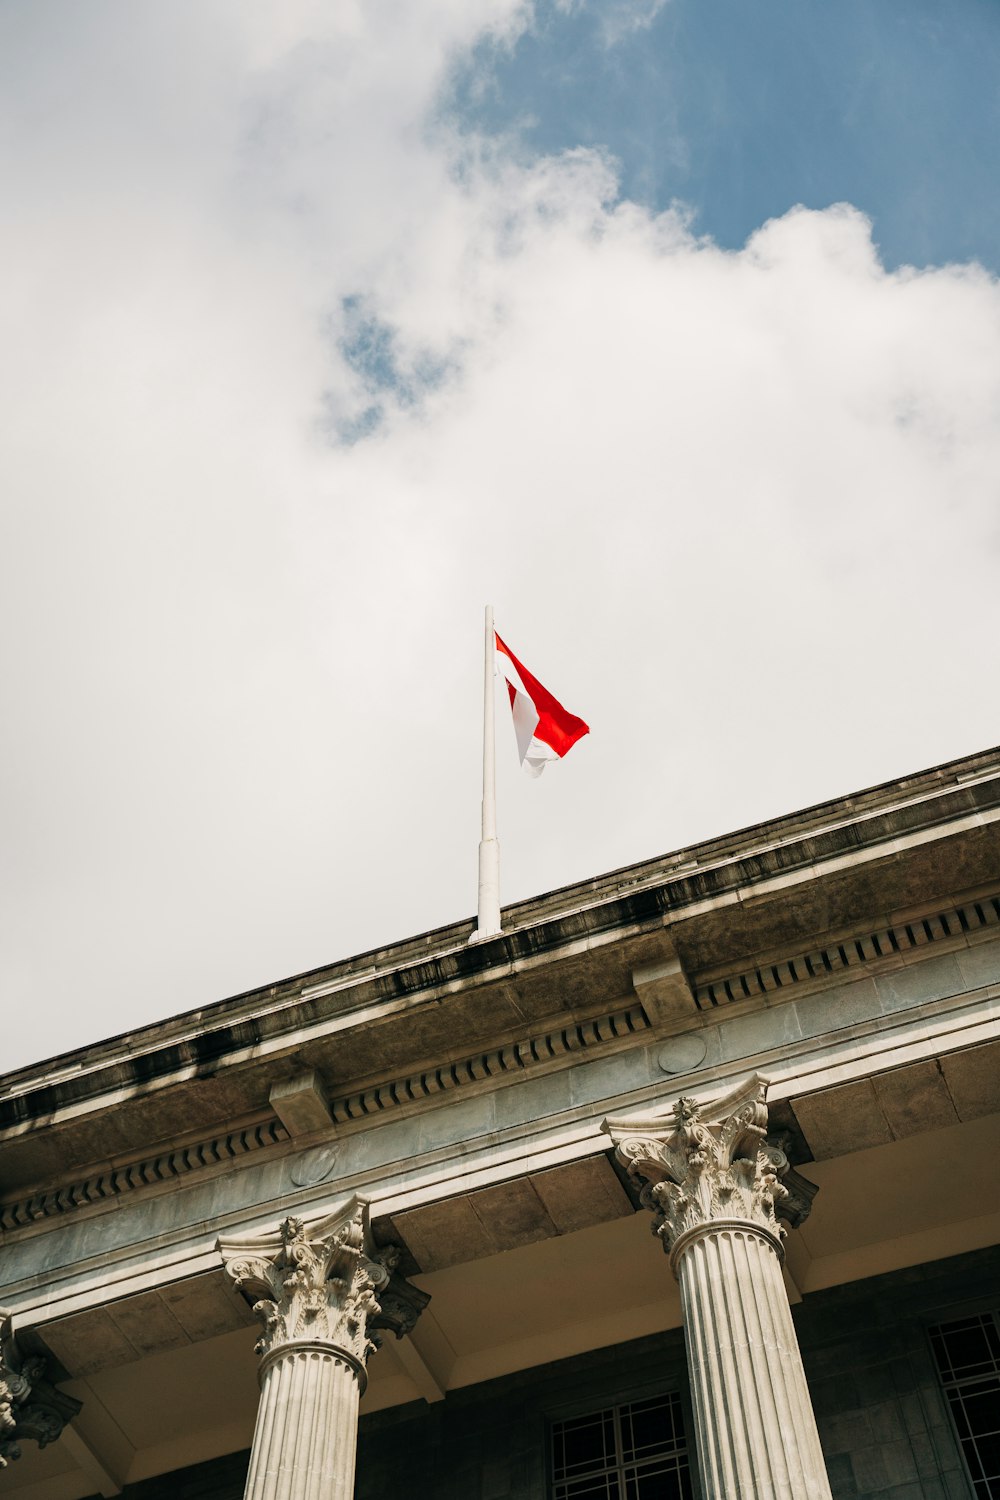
point(508, 670)
point(538, 756)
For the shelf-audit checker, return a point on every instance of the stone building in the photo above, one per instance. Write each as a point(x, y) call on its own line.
point(779, 1051)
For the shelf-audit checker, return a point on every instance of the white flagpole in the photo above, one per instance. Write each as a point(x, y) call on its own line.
point(489, 849)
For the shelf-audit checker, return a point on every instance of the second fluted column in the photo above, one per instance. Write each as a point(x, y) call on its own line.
point(712, 1184)
point(319, 1294)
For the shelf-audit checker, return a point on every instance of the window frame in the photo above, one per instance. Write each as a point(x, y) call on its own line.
point(613, 1405)
point(959, 1383)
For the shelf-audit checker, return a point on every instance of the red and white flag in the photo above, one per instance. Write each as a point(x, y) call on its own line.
point(544, 729)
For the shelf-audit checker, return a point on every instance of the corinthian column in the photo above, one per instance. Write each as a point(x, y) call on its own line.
point(322, 1295)
point(711, 1181)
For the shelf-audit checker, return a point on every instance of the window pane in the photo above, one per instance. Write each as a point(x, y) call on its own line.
point(967, 1347)
point(601, 1487)
point(635, 1451)
point(673, 1483)
point(650, 1427)
point(584, 1444)
point(966, 1351)
point(988, 1449)
point(981, 1405)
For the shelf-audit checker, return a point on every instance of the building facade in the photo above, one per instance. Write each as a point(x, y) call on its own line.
point(687, 1184)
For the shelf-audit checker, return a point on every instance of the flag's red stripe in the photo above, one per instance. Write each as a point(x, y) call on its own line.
point(556, 725)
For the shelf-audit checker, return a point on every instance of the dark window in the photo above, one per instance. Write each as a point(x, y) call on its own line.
point(632, 1452)
point(968, 1358)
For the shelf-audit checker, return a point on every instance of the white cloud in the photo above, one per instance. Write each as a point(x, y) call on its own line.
point(738, 509)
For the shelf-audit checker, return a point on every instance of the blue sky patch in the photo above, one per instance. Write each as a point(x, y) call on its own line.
point(742, 110)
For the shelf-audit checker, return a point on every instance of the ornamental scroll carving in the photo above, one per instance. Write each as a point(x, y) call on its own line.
point(706, 1162)
point(323, 1284)
point(29, 1406)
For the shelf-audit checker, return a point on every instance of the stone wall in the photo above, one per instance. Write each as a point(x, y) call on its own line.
point(881, 1415)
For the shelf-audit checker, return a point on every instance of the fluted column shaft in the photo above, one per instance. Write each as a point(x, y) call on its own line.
point(324, 1294)
point(711, 1180)
point(755, 1429)
point(305, 1439)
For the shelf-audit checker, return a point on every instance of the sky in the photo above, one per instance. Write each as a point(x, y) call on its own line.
point(669, 327)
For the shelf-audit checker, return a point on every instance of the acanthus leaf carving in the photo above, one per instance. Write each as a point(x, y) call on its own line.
point(30, 1407)
point(321, 1283)
point(704, 1162)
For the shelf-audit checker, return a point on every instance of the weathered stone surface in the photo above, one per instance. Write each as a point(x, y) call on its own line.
point(301, 1104)
point(665, 992)
point(200, 1307)
point(842, 1119)
point(581, 1194)
point(973, 1079)
point(520, 1212)
point(915, 1098)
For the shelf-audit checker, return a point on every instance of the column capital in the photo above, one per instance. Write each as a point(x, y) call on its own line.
point(319, 1284)
point(30, 1407)
point(704, 1164)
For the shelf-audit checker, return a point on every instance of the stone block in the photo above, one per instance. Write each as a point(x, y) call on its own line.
point(956, 1485)
point(512, 1215)
point(607, 1077)
point(841, 1476)
point(88, 1342)
point(945, 1446)
point(886, 1422)
point(900, 1464)
point(832, 1010)
point(923, 1453)
point(980, 964)
point(914, 1418)
point(870, 1473)
point(457, 1122)
point(973, 1079)
point(532, 1099)
point(842, 1119)
point(846, 1433)
point(875, 1384)
point(582, 1193)
point(148, 1323)
point(914, 1099)
point(301, 1105)
point(928, 979)
point(744, 1036)
point(831, 1394)
point(205, 1306)
point(444, 1234)
point(664, 993)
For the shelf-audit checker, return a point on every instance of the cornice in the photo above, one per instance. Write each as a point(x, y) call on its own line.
point(113, 1183)
point(637, 905)
point(494, 1067)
